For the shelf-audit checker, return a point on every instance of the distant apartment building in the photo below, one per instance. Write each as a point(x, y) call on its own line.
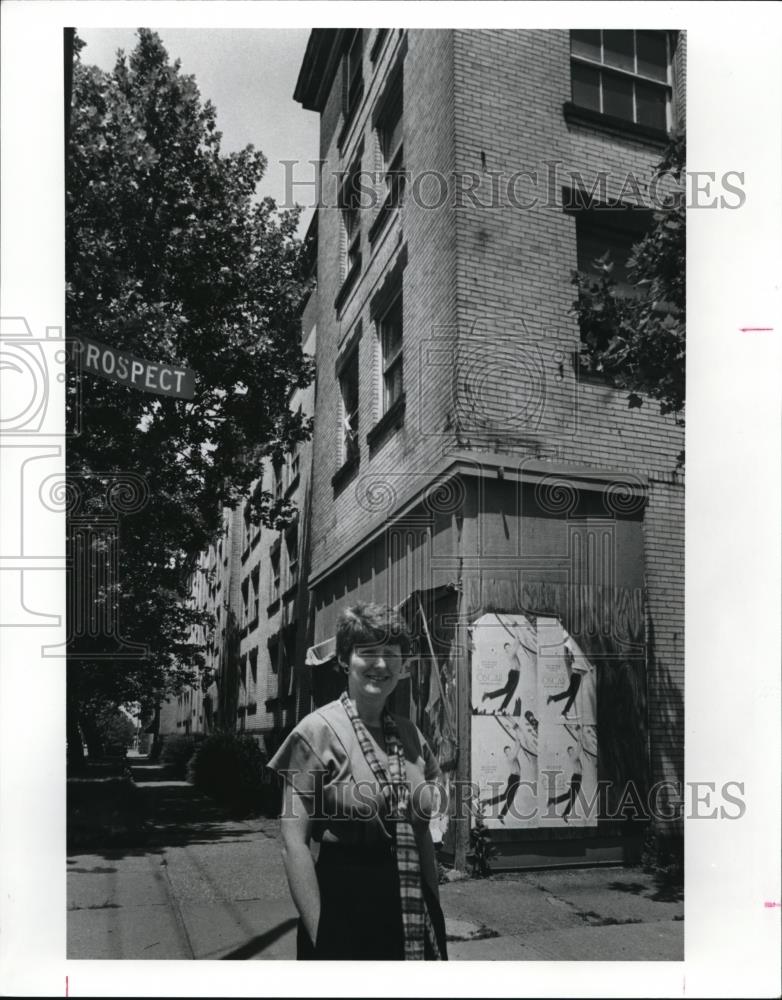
point(464, 463)
point(253, 581)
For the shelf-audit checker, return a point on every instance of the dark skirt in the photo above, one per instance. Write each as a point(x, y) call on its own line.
point(360, 908)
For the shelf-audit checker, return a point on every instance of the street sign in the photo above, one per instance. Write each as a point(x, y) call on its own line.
point(127, 369)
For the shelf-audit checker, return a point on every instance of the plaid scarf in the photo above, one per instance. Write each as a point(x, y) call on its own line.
point(416, 922)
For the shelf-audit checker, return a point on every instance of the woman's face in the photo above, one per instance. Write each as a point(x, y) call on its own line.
point(374, 670)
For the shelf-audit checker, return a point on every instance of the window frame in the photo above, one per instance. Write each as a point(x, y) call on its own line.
point(353, 75)
point(349, 366)
point(350, 214)
point(390, 120)
point(388, 365)
point(601, 67)
point(275, 578)
point(292, 552)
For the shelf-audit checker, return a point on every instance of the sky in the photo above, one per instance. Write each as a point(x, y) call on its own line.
point(249, 75)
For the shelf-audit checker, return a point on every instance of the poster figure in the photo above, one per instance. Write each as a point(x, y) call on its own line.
point(534, 733)
point(568, 776)
point(504, 665)
point(504, 766)
point(566, 676)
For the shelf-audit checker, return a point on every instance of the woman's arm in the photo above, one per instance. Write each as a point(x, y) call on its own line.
point(295, 829)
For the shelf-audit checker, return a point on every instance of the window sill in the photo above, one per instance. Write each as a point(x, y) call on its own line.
point(345, 473)
point(392, 420)
point(348, 284)
point(614, 126)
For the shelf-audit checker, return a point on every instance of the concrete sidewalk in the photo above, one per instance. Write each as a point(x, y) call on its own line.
point(215, 889)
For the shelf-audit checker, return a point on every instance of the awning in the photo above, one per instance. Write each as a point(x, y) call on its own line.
point(322, 653)
point(326, 651)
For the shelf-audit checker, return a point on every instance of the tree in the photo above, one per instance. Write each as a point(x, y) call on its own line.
point(170, 257)
point(639, 342)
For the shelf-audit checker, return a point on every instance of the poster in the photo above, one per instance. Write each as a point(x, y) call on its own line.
point(534, 724)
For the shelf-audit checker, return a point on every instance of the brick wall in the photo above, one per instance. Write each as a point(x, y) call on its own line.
point(664, 551)
point(405, 458)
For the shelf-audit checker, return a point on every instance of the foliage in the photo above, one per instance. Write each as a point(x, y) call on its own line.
point(170, 257)
point(230, 767)
point(481, 845)
point(178, 749)
point(114, 730)
point(639, 341)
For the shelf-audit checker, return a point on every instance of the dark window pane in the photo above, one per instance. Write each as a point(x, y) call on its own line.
point(618, 49)
point(597, 233)
point(393, 384)
point(585, 43)
point(652, 57)
point(617, 96)
point(586, 86)
point(650, 105)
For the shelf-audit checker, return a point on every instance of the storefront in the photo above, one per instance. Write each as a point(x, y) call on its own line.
point(526, 598)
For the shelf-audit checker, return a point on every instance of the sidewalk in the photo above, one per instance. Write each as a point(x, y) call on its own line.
point(203, 886)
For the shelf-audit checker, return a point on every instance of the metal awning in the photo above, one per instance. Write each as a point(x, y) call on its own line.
point(326, 651)
point(322, 653)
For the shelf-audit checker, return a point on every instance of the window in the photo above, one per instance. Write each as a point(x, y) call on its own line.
point(623, 74)
point(348, 387)
point(254, 588)
point(350, 204)
point(354, 73)
point(292, 546)
point(273, 646)
point(613, 232)
point(277, 466)
point(246, 529)
point(245, 602)
point(389, 130)
point(390, 330)
point(294, 466)
point(275, 564)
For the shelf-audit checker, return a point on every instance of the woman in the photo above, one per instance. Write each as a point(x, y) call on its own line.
point(362, 783)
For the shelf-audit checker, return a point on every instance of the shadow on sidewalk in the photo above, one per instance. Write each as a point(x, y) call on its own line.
point(668, 888)
point(260, 942)
point(157, 815)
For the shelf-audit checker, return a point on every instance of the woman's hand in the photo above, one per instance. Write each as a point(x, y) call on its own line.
point(295, 829)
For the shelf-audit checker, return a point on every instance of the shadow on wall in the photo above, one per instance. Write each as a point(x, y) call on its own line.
point(666, 710)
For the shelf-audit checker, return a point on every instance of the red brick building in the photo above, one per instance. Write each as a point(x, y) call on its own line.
point(463, 463)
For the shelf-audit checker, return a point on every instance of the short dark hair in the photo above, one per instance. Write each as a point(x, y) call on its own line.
point(368, 625)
